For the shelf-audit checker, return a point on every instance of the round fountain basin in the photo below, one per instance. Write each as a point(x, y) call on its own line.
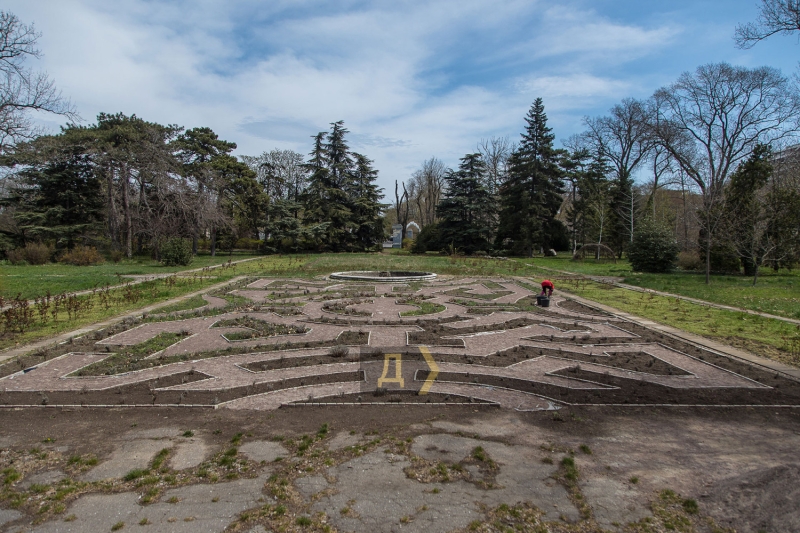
point(386, 275)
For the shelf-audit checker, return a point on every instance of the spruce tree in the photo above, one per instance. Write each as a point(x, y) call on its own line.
point(531, 197)
point(465, 213)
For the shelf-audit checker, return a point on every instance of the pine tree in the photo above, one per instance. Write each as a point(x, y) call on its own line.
point(531, 197)
point(465, 212)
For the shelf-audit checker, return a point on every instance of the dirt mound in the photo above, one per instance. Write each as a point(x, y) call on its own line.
point(760, 500)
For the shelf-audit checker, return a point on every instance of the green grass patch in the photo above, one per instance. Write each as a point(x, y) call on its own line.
point(766, 337)
point(36, 280)
point(135, 474)
point(257, 328)
point(776, 293)
point(424, 307)
point(190, 303)
point(129, 358)
point(102, 305)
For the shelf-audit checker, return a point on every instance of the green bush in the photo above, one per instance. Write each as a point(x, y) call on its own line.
point(653, 249)
point(427, 240)
point(176, 251)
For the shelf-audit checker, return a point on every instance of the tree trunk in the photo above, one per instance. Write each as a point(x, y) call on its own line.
point(708, 254)
point(112, 211)
point(127, 212)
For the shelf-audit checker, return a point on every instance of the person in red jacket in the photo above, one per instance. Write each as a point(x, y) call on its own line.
point(547, 288)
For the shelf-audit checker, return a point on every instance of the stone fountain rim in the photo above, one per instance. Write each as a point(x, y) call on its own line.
point(375, 275)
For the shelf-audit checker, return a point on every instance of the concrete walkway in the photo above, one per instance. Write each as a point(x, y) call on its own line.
point(610, 280)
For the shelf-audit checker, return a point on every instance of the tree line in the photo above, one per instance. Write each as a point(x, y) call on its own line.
point(711, 151)
point(706, 161)
point(129, 185)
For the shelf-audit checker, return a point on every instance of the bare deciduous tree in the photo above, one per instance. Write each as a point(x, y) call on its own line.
point(774, 16)
point(622, 138)
point(710, 120)
point(425, 190)
point(282, 173)
point(495, 152)
point(23, 90)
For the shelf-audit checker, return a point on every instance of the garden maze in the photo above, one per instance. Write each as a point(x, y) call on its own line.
point(268, 343)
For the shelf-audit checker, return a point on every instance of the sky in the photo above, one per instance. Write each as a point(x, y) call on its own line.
point(410, 79)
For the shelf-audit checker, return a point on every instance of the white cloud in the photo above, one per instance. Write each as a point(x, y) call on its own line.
point(410, 79)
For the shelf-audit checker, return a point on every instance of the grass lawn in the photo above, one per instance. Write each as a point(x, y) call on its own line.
point(766, 337)
point(36, 280)
point(776, 293)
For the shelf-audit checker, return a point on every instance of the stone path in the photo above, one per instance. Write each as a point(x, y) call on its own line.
point(284, 369)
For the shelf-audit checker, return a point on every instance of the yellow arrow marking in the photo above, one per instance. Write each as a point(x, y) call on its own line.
point(433, 373)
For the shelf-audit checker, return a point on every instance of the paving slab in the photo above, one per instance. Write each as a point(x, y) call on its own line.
point(310, 485)
point(189, 454)
point(195, 512)
point(384, 499)
point(128, 456)
point(263, 450)
point(342, 440)
point(48, 477)
point(9, 515)
point(614, 502)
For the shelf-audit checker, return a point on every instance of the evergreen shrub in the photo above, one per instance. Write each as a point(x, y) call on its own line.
point(653, 249)
point(428, 240)
point(176, 251)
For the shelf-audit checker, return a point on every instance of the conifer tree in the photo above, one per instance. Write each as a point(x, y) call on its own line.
point(59, 199)
point(366, 196)
point(531, 197)
point(341, 193)
point(465, 212)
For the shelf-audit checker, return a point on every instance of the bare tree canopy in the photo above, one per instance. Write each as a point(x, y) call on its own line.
point(621, 137)
point(425, 190)
point(711, 120)
point(21, 89)
point(282, 173)
point(774, 16)
point(495, 152)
